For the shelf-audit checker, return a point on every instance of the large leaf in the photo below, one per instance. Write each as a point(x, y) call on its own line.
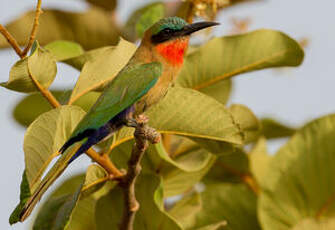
point(225, 57)
point(225, 202)
point(33, 105)
point(189, 162)
point(205, 9)
point(259, 161)
point(45, 136)
point(184, 210)
point(220, 90)
point(82, 216)
point(24, 196)
point(179, 172)
point(98, 72)
point(300, 178)
point(57, 212)
point(63, 50)
point(142, 19)
point(233, 168)
point(312, 224)
point(273, 129)
point(151, 215)
point(95, 178)
point(79, 61)
point(37, 69)
point(91, 29)
point(177, 181)
point(108, 5)
point(247, 122)
point(197, 116)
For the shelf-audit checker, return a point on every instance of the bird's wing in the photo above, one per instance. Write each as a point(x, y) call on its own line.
point(127, 88)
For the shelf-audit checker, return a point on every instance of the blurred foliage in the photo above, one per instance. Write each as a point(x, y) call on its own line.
point(213, 157)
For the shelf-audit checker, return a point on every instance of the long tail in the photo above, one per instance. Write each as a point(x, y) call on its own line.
point(46, 182)
point(66, 158)
point(93, 137)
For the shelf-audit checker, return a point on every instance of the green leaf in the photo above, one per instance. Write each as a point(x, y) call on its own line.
point(233, 167)
point(273, 129)
point(95, 178)
point(312, 224)
point(45, 136)
point(176, 181)
point(217, 226)
point(108, 5)
point(39, 68)
point(151, 215)
point(226, 202)
point(91, 29)
point(24, 196)
point(207, 6)
point(57, 212)
point(179, 172)
point(220, 90)
point(224, 57)
point(33, 105)
point(89, 56)
point(259, 161)
point(190, 162)
point(63, 50)
point(300, 178)
point(247, 122)
point(142, 19)
point(184, 210)
point(42, 141)
point(82, 217)
point(209, 123)
point(97, 73)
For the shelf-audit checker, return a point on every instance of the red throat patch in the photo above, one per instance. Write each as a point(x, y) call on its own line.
point(173, 51)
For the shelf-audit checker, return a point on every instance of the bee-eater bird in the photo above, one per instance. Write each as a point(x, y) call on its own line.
point(140, 84)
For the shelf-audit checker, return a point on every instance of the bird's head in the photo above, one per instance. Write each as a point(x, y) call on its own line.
point(169, 37)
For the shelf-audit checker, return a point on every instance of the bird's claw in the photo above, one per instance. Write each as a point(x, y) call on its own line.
point(140, 120)
point(131, 122)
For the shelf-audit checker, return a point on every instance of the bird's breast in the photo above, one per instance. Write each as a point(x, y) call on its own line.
point(158, 91)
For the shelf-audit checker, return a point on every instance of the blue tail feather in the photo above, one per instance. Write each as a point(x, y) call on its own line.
point(95, 136)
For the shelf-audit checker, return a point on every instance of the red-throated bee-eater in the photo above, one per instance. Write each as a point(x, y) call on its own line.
point(140, 84)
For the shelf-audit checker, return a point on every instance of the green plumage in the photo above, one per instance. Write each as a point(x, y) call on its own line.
point(127, 88)
point(173, 23)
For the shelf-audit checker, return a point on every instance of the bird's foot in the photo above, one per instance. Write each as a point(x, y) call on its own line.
point(142, 130)
point(138, 121)
point(131, 122)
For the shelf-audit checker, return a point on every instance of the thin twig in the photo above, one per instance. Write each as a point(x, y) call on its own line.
point(45, 92)
point(246, 178)
point(142, 134)
point(11, 40)
point(34, 29)
point(105, 162)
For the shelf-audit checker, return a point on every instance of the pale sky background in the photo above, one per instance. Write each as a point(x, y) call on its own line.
point(294, 96)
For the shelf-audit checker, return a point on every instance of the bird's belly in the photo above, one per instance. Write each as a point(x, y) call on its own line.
point(155, 94)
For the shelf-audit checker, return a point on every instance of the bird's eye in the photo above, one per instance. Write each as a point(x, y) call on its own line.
point(167, 30)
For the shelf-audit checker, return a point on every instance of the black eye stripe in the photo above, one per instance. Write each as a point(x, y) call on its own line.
point(164, 35)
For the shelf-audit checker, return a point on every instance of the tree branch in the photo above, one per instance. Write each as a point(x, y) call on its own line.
point(34, 29)
point(143, 133)
point(105, 162)
point(11, 40)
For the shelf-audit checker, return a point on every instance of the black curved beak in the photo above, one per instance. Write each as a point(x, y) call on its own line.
point(191, 28)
